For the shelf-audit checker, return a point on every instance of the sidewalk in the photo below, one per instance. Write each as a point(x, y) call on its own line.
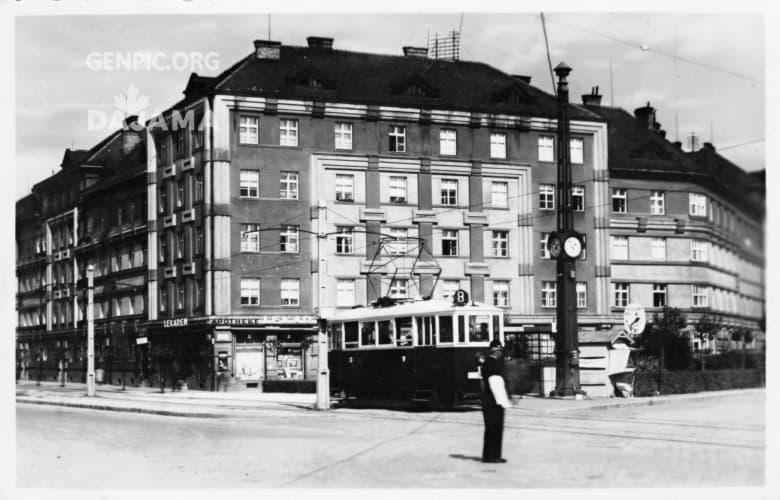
point(245, 403)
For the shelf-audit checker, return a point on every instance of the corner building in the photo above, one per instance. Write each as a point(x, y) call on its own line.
point(272, 186)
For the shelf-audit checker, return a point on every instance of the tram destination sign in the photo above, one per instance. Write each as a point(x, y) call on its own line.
point(460, 297)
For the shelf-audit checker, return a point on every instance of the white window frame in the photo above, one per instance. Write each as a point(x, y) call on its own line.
point(449, 235)
point(397, 139)
point(549, 293)
point(291, 292)
point(499, 243)
point(249, 184)
point(619, 247)
point(345, 240)
point(250, 291)
point(546, 197)
point(577, 151)
point(250, 238)
point(448, 142)
point(500, 292)
point(697, 205)
point(619, 196)
point(398, 189)
point(399, 289)
point(448, 191)
point(582, 294)
point(289, 239)
point(657, 203)
point(700, 296)
point(498, 145)
point(345, 292)
point(658, 290)
point(621, 294)
point(398, 244)
point(288, 185)
point(345, 187)
point(578, 192)
point(546, 148)
point(658, 248)
point(288, 132)
point(249, 129)
point(699, 251)
point(499, 199)
point(343, 135)
point(544, 252)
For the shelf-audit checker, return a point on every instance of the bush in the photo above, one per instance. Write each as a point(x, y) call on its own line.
point(297, 386)
point(687, 381)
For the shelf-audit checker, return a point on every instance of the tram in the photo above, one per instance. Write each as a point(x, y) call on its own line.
point(421, 352)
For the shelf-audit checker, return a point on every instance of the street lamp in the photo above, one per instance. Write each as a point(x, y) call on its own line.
point(90, 331)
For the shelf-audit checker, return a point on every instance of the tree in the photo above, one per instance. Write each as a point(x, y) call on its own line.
point(706, 328)
point(664, 338)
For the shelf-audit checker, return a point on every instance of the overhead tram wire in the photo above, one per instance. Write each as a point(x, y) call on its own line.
point(741, 144)
point(549, 60)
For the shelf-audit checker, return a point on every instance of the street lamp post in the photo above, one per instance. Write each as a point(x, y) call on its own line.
point(90, 331)
point(566, 245)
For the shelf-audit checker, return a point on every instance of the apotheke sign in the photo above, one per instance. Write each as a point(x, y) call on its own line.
point(263, 320)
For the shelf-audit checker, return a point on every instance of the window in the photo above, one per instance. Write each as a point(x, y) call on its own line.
point(398, 244)
point(399, 289)
point(180, 297)
point(288, 132)
point(546, 197)
point(289, 239)
point(397, 189)
point(619, 201)
point(250, 292)
point(548, 293)
point(619, 247)
point(582, 295)
point(163, 248)
point(250, 238)
point(196, 135)
point(546, 147)
point(289, 186)
point(345, 292)
point(345, 242)
point(657, 203)
point(249, 184)
point(163, 297)
point(199, 240)
point(698, 251)
point(345, 187)
point(247, 130)
point(500, 244)
point(290, 292)
point(449, 192)
point(501, 293)
point(498, 146)
point(199, 187)
point(449, 242)
point(576, 147)
point(179, 193)
point(499, 194)
point(658, 249)
point(179, 146)
point(700, 296)
point(343, 134)
point(448, 142)
point(578, 198)
point(164, 199)
point(179, 244)
point(621, 296)
point(659, 295)
point(449, 287)
point(397, 138)
point(697, 204)
point(544, 253)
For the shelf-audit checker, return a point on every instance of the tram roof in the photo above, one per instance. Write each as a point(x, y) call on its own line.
point(413, 308)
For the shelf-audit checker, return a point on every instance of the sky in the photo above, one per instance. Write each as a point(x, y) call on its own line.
point(703, 72)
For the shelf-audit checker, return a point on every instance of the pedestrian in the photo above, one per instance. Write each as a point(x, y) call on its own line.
point(494, 401)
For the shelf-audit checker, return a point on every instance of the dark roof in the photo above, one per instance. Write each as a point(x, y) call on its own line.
point(365, 78)
point(74, 157)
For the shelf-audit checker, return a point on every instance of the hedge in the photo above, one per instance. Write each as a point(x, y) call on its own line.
point(687, 381)
point(309, 386)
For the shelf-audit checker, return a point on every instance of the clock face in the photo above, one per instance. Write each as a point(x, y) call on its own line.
point(554, 246)
point(572, 246)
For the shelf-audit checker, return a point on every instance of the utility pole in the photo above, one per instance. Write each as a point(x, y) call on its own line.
point(565, 245)
point(323, 374)
point(90, 332)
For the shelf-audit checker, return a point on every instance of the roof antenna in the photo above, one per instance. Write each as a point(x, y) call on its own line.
point(269, 26)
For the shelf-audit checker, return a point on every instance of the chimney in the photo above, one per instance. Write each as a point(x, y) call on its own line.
point(522, 78)
point(592, 99)
point(415, 51)
point(130, 133)
point(646, 116)
point(266, 49)
point(677, 144)
point(320, 42)
point(708, 145)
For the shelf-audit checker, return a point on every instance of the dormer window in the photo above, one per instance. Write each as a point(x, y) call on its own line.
point(414, 87)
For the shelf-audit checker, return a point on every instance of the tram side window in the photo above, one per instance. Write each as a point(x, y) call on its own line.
point(385, 332)
point(334, 337)
point(496, 326)
point(445, 329)
point(425, 325)
point(351, 335)
point(479, 328)
point(403, 331)
point(367, 334)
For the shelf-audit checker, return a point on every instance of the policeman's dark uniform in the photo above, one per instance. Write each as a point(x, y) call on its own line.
point(491, 411)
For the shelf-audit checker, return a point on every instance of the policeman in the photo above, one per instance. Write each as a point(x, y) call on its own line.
point(494, 401)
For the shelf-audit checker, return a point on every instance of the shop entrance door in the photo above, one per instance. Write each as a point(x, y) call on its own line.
point(249, 363)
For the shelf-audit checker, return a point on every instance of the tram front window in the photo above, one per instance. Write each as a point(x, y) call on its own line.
point(403, 331)
point(445, 329)
point(367, 334)
point(479, 328)
point(385, 332)
point(350, 334)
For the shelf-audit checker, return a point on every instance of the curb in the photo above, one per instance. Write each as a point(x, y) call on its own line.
point(92, 406)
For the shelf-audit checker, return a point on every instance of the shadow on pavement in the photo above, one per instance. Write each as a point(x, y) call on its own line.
point(465, 457)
